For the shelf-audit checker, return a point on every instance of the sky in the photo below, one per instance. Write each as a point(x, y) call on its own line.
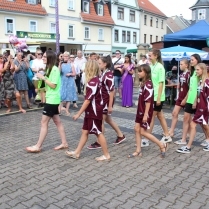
point(175, 7)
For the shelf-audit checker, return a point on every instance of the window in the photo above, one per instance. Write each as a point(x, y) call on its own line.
point(128, 36)
point(71, 5)
point(86, 6)
point(33, 26)
point(71, 31)
point(100, 10)
point(101, 34)
point(53, 27)
point(32, 2)
point(161, 38)
point(123, 36)
point(9, 25)
point(120, 13)
point(52, 3)
point(150, 21)
point(145, 19)
point(156, 39)
point(201, 14)
point(161, 24)
point(134, 37)
point(150, 39)
point(116, 36)
point(132, 16)
point(156, 22)
point(86, 33)
point(145, 38)
point(193, 15)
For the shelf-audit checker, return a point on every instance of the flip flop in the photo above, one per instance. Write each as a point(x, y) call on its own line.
point(33, 149)
point(71, 154)
point(62, 146)
point(139, 154)
point(102, 158)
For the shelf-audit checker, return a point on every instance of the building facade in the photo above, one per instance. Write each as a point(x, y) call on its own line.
point(152, 23)
point(126, 32)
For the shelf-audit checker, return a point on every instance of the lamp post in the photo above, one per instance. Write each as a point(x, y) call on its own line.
point(57, 26)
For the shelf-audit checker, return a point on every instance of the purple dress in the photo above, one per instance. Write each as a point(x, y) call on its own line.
point(127, 87)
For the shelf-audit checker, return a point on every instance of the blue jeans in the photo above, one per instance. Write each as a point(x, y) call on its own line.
point(117, 81)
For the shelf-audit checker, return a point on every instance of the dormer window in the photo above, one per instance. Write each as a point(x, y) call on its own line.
point(32, 2)
point(201, 14)
point(86, 7)
point(100, 10)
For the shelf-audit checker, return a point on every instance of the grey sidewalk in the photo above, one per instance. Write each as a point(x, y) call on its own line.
point(52, 180)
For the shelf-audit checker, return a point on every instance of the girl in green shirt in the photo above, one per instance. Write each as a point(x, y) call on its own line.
point(52, 82)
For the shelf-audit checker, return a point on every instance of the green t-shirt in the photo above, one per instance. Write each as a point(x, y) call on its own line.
point(192, 94)
point(53, 95)
point(158, 76)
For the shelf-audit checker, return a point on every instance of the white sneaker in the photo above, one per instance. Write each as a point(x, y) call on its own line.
point(180, 142)
point(145, 143)
point(166, 139)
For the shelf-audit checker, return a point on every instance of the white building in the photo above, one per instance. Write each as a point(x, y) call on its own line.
point(125, 33)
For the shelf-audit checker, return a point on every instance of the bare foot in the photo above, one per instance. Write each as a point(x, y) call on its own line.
point(22, 110)
point(67, 113)
point(8, 111)
point(75, 105)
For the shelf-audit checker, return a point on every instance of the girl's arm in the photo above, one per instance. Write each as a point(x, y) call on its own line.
point(83, 108)
point(111, 98)
point(160, 89)
point(49, 83)
point(147, 106)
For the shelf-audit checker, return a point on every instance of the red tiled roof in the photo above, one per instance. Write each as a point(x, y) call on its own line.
point(146, 5)
point(93, 17)
point(22, 7)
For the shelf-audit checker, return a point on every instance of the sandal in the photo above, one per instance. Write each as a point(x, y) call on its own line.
point(61, 146)
point(139, 154)
point(165, 148)
point(102, 158)
point(33, 149)
point(71, 154)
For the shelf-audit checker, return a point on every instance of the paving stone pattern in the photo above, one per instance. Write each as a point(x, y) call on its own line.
point(52, 180)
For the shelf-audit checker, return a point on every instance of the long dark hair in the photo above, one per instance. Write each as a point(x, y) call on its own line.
point(107, 60)
point(146, 68)
point(157, 53)
point(51, 61)
point(197, 57)
point(129, 57)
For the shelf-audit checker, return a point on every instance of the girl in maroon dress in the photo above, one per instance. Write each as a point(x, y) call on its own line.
point(93, 107)
point(183, 88)
point(202, 108)
point(145, 112)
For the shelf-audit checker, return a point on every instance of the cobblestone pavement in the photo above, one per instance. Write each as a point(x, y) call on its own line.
point(52, 180)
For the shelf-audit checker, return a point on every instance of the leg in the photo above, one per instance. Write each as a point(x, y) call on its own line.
point(61, 131)
point(192, 134)
point(8, 102)
point(152, 122)
point(26, 98)
point(174, 119)
point(19, 101)
point(74, 104)
point(163, 123)
point(67, 108)
point(103, 143)
point(186, 127)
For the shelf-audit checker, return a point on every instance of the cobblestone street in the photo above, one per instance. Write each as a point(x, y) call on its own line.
point(52, 180)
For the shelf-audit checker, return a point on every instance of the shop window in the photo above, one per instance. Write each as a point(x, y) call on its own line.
point(9, 25)
point(86, 33)
point(101, 34)
point(33, 26)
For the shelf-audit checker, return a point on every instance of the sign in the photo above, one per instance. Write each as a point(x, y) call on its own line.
point(207, 41)
point(35, 35)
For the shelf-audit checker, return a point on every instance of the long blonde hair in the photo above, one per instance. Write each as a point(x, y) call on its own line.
point(204, 76)
point(91, 70)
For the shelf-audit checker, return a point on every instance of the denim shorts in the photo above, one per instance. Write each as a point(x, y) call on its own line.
point(117, 81)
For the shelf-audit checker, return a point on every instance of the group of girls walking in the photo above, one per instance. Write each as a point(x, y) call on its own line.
point(99, 99)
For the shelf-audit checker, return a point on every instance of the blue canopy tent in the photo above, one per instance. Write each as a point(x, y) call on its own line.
point(197, 32)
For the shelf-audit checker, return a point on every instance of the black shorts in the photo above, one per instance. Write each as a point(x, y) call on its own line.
point(188, 109)
point(50, 110)
point(158, 108)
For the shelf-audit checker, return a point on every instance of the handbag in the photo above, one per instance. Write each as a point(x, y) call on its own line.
point(30, 83)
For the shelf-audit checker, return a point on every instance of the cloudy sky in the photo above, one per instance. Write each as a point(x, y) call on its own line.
point(175, 7)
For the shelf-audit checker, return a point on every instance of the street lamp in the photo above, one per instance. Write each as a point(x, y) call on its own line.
point(57, 26)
